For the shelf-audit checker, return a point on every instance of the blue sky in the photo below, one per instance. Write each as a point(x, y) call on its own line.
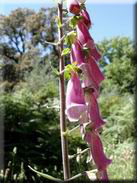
point(109, 19)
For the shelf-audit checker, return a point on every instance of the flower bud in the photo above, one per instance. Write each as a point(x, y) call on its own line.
point(73, 6)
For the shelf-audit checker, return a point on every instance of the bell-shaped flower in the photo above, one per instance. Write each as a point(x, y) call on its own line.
point(93, 50)
point(75, 102)
point(83, 33)
point(97, 151)
point(77, 53)
point(73, 6)
point(86, 18)
point(95, 70)
point(93, 111)
point(89, 80)
point(86, 40)
point(92, 73)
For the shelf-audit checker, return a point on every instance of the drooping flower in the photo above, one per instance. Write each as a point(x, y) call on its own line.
point(82, 33)
point(86, 40)
point(89, 79)
point(95, 70)
point(73, 6)
point(86, 19)
point(85, 107)
point(97, 151)
point(93, 111)
point(75, 102)
point(77, 53)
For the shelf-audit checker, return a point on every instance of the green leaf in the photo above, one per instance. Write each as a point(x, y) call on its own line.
point(46, 175)
point(74, 21)
point(70, 38)
point(66, 51)
point(59, 22)
point(69, 69)
point(55, 71)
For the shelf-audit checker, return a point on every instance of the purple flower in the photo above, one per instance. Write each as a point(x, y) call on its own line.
point(77, 53)
point(86, 40)
point(93, 111)
point(86, 18)
point(75, 102)
point(97, 151)
point(89, 80)
point(83, 33)
point(73, 6)
point(95, 70)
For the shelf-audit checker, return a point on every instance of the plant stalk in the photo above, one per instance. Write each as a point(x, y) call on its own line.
point(64, 142)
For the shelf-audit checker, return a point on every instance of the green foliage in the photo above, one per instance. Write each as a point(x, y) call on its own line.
point(66, 51)
point(123, 165)
point(74, 21)
point(70, 38)
point(22, 41)
point(69, 69)
point(118, 64)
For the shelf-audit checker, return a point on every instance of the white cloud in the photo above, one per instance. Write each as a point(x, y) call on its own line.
point(52, 1)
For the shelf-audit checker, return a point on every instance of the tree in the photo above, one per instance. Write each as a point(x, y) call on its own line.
point(118, 64)
point(22, 38)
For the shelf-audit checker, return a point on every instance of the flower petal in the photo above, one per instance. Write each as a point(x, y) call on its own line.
point(77, 53)
point(86, 18)
point(95, 70)
point(94, 113)
point(73, 6)
point(75, 102)
point(89, 79)
point(97, 152)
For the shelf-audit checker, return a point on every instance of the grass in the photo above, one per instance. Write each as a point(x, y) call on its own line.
point(122, 167)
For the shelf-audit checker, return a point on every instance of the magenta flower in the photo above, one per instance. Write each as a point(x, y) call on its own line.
point(86, 18)
point(94, 51)
point(77, 53)
point(95, 70)
point(75, 102)
point(89, 80)
point(94, 114)
point(97, 151)
point(86, 40)
point(73, 6)
point(83, 33)
point(105, 176)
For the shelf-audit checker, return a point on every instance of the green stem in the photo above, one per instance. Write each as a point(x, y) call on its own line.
point(60, 180)
point(80, 153)
point(64, 142)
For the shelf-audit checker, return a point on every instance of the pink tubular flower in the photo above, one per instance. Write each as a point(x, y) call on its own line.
point(94, 114)
point(75, 103)
point(82, 33)
point(97, 152)
point(86, 18)
point(77, 53)
point(85, 39)
point(89, 79)
point(93, 50)
point(73, 6)
point(92, 74)
point(95, 70)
